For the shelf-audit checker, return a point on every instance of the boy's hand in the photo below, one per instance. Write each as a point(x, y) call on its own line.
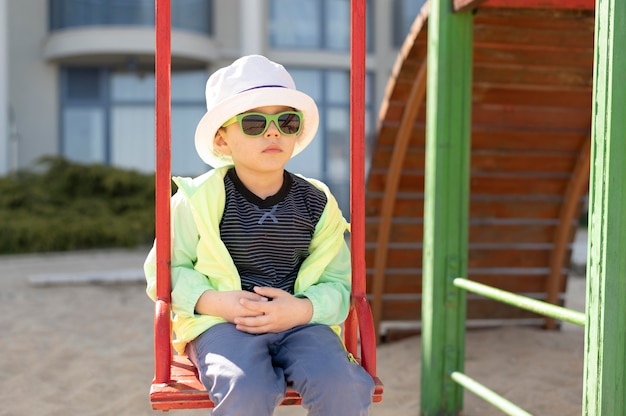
point(228, 304)
point(284, 312)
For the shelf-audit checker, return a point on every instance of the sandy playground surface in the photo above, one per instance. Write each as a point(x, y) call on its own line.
point(85, 348)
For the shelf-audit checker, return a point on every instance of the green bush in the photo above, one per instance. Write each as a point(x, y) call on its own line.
point(60, 205)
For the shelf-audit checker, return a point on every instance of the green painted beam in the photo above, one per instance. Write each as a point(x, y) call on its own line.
point(523, 302)
point(489, 395)
point(446, 206)
point(605, 330)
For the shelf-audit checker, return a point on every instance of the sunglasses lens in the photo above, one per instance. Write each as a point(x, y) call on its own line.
point(289, 123)
point(253, 124)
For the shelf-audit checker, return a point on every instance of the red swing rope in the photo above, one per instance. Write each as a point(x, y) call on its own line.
point(360, 319)
point(357, 148)
point(162, 327)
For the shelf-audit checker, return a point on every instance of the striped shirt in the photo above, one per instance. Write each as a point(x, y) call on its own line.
point(269, 239)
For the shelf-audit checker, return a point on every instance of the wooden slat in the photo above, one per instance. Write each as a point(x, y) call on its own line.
point(517, 282)
point(405, 282)
point(523, 161)
point(414, 158)
point(501, 137)
point(480, 258)
point(489, 160)
point(396, 109)
point(519, 232)
point(390, 128)
point(531, 29)
point(490, 92)
point(506, 55)
point(541, 4)
point(461, 6)
point(490, 136)
point(515, 185)
point(404, 207)
point(403, 258)
point(483, 309)
point(497, 206)
point(518, 75)
point(407, 257)
point(532, 37)
point(569, 20)
point(482, 183)
point(482, 206)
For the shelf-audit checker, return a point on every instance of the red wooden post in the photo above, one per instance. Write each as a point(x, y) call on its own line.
point(357, 148)
point(357, 186)
point(162, 324)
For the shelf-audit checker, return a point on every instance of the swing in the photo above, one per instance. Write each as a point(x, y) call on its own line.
point(176, 384)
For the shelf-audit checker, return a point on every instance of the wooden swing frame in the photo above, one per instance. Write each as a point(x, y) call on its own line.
point(175, 384)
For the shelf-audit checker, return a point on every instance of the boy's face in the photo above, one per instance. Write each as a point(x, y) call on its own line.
point(268, 152)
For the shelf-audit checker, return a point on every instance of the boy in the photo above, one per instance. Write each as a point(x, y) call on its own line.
point(260, 267)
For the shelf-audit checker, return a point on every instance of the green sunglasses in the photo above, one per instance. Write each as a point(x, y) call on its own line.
point(254, 124)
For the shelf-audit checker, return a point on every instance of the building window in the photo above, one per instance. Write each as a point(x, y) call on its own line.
point(312, 24)
point(107, 116)
point(328, 156)
point(192, 15)
point(404, 13)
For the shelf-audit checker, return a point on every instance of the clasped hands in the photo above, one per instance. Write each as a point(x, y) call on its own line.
point(254, 312)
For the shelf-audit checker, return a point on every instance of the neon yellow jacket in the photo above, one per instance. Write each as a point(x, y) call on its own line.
point(201, 262)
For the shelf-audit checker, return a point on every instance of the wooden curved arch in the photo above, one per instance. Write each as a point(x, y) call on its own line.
point(570, 212)
point(414, 101)
point(400, 137)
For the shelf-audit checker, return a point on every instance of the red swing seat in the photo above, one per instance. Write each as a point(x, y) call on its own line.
point(185, 391)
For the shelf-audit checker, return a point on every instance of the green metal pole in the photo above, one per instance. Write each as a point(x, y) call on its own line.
point(605, 333)
point(446, 206)
point(489, 395)
point(523, 302)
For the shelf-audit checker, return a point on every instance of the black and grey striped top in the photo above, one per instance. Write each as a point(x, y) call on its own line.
point(269, 239)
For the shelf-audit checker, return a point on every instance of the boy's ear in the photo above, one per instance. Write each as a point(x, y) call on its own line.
point(220, 145)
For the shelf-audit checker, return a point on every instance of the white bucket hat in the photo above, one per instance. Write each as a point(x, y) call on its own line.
point(250, 82)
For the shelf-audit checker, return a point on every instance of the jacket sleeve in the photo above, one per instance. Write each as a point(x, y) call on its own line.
point(187, 283)
point(330, 296)
point(325, 277)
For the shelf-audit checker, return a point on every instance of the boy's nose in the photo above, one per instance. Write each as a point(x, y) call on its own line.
point(272, 130)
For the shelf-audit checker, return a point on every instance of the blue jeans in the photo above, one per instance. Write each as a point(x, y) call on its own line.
point(247, 374)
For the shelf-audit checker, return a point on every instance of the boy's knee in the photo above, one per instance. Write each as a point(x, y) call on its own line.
point(350, 382)
point(237, 395)
point(343, 395)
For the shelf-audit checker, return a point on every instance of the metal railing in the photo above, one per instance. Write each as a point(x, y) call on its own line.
point(523, 302)
point(519, 301)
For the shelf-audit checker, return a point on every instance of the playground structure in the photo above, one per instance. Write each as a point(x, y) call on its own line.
point(447, 200)
point(453, 174)
point(531, 84)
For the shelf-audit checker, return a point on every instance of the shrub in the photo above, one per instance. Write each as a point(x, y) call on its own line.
point(60, 205)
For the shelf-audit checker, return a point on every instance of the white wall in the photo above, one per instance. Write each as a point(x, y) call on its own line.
point(251, 27)
point(33, 83)
point(4, 108)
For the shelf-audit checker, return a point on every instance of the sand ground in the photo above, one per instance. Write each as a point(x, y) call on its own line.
point(84, 346)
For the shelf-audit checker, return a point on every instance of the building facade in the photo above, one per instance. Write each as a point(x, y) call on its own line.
point(77, 76)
